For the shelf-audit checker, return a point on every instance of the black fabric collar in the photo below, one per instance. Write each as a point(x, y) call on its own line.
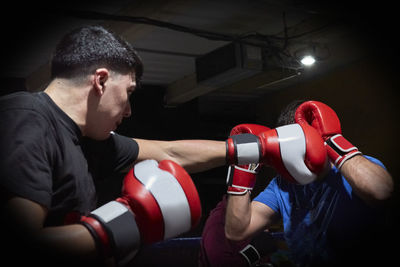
point(69, 124)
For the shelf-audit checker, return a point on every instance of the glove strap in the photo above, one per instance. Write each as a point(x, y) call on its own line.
point(250, 253)
point(240, 180)
point(113, 225)
point(340, 149)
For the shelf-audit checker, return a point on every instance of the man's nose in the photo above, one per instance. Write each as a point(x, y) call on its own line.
point(128, 110)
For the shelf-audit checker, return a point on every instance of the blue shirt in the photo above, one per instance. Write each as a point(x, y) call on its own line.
point(322, 220)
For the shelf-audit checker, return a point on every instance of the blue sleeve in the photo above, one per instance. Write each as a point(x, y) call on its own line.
point(269, 196)
point(376, 161)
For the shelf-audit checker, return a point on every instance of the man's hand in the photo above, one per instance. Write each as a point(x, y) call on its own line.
point(159, 201)
point(326, 122)
point(242, 178)
point(370, 181)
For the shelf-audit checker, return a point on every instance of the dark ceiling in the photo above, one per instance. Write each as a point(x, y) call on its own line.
point(170, 35)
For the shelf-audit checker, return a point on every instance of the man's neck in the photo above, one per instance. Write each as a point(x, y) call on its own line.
point(69, 98)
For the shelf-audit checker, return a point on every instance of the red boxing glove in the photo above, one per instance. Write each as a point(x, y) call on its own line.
point(326, 122)
point(248, 128)
point(243, 146)
point(296, 151)
point(164, 199)
point(241, 179)
point(159, 201)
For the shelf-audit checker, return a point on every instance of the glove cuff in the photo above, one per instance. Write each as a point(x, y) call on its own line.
point(251, 254)
point(243, 149)
point(114, 228)
point(240, 180)
point(340, 149)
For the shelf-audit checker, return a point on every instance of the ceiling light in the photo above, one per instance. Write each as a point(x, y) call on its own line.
point(307, 60)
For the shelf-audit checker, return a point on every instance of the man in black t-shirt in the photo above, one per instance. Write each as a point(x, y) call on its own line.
point(55, 143)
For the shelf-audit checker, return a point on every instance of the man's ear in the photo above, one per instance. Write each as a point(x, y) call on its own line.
point(101, 75)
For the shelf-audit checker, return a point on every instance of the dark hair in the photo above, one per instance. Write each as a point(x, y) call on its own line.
point(287, 114)
point(85, 49)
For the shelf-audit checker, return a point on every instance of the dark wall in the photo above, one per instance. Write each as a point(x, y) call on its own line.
point(11, 85)
point(365, 98)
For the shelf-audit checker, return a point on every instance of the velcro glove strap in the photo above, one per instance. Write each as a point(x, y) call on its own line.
point(340, 149)
point(240, 180)
point(250, 253)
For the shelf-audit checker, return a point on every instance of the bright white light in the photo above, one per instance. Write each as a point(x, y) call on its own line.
point(307, 60)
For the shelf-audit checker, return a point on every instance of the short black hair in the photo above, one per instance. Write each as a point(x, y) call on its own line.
point(287, 114)
point(87, 48)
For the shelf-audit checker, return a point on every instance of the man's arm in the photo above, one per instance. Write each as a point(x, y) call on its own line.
point(193, 155)
point(370, 182)
point(25, 218)
point(245, 218)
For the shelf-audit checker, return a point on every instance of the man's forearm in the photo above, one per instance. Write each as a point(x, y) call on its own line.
point(237, 218)
point(370, 181)
point(68, 241)
point(199, 155)
point(24, 219)
point(193, 155)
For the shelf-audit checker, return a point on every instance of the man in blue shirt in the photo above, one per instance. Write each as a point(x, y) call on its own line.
point(335, 219)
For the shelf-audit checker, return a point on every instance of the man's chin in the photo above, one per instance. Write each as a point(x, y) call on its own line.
point(102, 137)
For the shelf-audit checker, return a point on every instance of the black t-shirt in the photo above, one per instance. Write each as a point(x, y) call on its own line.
point(44, 158)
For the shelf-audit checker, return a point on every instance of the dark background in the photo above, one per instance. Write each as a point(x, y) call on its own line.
point(364, 94)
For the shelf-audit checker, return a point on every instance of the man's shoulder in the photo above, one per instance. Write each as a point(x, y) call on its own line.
point(20, 100)
point(23, 114)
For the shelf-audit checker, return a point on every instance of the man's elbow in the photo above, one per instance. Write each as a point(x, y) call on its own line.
point(384, 192)
point(381, 194)
point(234, 235)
